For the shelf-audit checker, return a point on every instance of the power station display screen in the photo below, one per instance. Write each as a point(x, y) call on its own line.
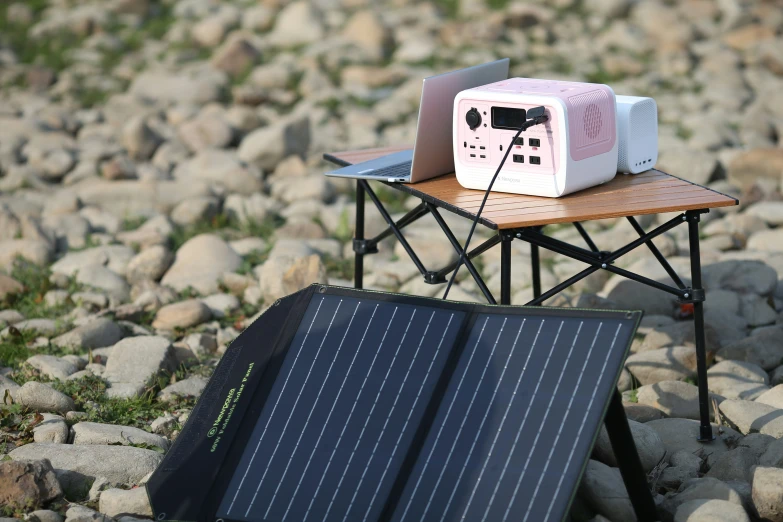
point(507, 118)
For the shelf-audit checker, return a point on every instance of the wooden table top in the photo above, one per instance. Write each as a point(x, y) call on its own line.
point(651, 192)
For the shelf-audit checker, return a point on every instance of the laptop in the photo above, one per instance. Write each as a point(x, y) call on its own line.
point(432, 153)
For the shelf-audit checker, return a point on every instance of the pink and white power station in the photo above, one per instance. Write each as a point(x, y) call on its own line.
point(575, 149)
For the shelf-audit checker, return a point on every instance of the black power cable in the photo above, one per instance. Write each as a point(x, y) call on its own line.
point(536, 116)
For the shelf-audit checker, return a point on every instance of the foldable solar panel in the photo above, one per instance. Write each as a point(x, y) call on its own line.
point(347, 405)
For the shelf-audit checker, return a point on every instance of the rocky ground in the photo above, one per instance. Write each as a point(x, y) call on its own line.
point(160, 184)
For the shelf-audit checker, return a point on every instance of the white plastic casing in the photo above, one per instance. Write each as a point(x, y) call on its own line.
point(637, 132)
point(593, 140)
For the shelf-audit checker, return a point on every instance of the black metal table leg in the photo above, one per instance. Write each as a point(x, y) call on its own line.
point(536, 268)
point(358, 265)
point(705, 429)
point(627, 458)
point(505, 268)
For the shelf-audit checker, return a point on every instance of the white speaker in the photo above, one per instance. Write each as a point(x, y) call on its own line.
point(637, 133)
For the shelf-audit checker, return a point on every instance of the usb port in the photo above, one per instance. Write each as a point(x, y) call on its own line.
point(534, 142)
point(535, 160)
point(519, 141)
point(482, 156)
point(472, 155)
point(472, 146)
point(482, 147)
point(519, 158)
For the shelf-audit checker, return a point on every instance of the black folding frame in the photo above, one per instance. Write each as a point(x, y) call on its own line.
point(595, 259)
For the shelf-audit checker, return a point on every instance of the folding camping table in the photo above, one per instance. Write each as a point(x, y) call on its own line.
point(514, 216)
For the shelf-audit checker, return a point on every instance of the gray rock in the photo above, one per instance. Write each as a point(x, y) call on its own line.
point(632, 296)
point(737, 380)
point(183, 314)
point(43, 398)
point(701, 489)
point(201, 344)
point(51, 366)
point(753, 417)
point(27, 483)
point(109, 434)
point(200, 263)
point(762, 349)
point(164, 425)
point(98, 333)
point(7, 385)
point(681, 434)
point(733, 465)
point(773, 455)
point(170, 87)
point(236, 56)
point(766, 240)
point(678, 334)
point(674, 398)
point(220, 167)
point(757, 311)
point(664, 364)
point(195, 210)
point(99, 276)
point(641, 412)
point(221, 304)
point(44, 327)
point(749, 167)
point(648, 445)
point(77, 513)
point(773, 397)
point(190, 387)
point(44, 515)
point(741, 276)
point(115, 257)
point(206, 131)
point(758, 443)
point(266, 146)
point(768, 493)
point(134, 361)
point(150, 264)
point(114, 502)
point(254, 208)
point(139, 139)
point(296, 24)
point(77, 466)
point(52, 429)
point(710, 510)
point(603, 489)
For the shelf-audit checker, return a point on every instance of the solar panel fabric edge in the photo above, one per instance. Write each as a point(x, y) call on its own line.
point(172, 492)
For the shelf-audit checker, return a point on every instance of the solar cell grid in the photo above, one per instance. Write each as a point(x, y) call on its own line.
point(344, 408)
point(514, 419)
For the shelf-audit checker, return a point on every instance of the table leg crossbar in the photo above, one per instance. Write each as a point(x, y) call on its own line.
point(595, 258)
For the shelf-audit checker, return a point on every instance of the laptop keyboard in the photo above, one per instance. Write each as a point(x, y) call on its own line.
point(400, 170)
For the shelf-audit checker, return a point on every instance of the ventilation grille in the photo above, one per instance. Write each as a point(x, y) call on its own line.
point(591, 115)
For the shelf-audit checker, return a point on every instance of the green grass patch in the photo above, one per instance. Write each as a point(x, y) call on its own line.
point(339, 268)
point(36, 280)
point(220, 223)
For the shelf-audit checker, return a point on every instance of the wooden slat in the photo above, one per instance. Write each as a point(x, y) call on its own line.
point(650, 192)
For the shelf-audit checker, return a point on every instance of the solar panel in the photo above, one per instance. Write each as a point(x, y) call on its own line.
point(513, 418)
point(344, 405)
point(339, 422)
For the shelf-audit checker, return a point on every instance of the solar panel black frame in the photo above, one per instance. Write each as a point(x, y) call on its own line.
point(195, 474)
